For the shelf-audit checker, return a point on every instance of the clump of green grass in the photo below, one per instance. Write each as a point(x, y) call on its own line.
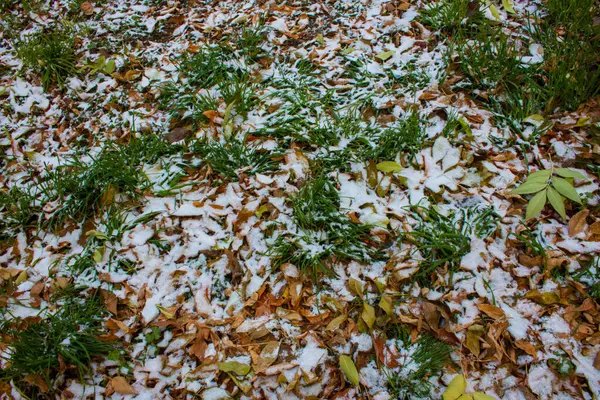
point(233, 156)
point(406, 137)
point(576, 15)
point(442, 240)
point(51, 54)
point(425, 359)
point(325, 234)
point(18, 210)
point(38, 349)
point(451, 15)
point(590, 276)
point(250, 40)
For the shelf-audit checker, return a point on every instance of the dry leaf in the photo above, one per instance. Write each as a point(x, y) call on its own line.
point(577, 222)
point(87, 8)
point(492, 311)
point(120, 385)
point(268, 355)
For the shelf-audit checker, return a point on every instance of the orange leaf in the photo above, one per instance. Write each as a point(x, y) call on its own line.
point(578, 222)
point(121, 386)
point(527, 348)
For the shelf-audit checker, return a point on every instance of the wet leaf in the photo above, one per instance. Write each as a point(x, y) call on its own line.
point(347, 365)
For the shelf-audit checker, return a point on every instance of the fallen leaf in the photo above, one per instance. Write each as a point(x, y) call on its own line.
point(120, 385)
point(546, 298)
point(236, 367)
point(268, 355)
point(87, 8)
point(456, 388)
point(385, 55)
point(347, 365)
point(491, 310)
point(368, 315)
point(577, 222)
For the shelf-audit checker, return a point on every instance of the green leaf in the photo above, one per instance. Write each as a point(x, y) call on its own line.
point(568, 173)
point(566, 189)
point(236, 367)
point(389, 166)
point(546, 173)
point(482, 396)
point(508, 6)
point(465, 126)
point(347, 50)
point(97, 234)
point(110, 67)
point(530, 187)
point(347, 365)
point(385, 55)
point(535, 205)
point(557, 201)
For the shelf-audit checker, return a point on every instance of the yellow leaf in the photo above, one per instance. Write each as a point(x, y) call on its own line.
point(368, 315)
point(96, 234)
point(386, 305)
point(389, 166)
point(347, 365)
point(98, 254)
point(355, 287)
point(261, 210)
point(236, 367)
point(21, 278)
point(456, 388)
point(495, 12)
point(508, 6)
point(320, 39)
point(335, 323)
point(465, 397)
point(385, 55)
point(166, 312)
point(482, 396)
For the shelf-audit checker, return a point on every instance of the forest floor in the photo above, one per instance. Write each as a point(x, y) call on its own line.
point(300, 200)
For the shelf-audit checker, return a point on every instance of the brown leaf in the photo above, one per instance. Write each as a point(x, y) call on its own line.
point(121, 386)
point(577, 222)
point(37, 380)
point(178, 134)
point(595, 228)
point(526, 347)
point(268, 355)
point(491, 310)
point(597, 361)
point(87, 8)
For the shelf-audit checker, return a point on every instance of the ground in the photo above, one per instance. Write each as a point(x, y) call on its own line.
point(300, 200)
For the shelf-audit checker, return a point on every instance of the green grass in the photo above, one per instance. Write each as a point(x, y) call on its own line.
point(442, 240)
point(428, 357)
point(17, 210)
point(589, 275)
point(235, 156)
point(576, 15)
point(67, 337)
point(325, 234)
point(450, 15)
point(405, 137)
point(250, 40)
point(51, 54)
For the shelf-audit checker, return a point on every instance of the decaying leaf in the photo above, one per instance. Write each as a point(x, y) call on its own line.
point(121, 386)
